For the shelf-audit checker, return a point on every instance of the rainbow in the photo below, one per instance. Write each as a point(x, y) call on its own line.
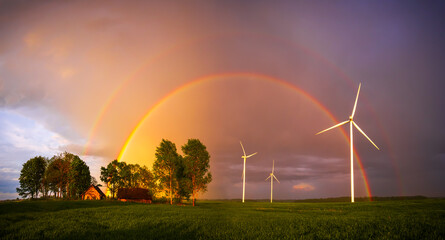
point(256, 76)
point(190, 42)
point(173, 48)
point(113, 96)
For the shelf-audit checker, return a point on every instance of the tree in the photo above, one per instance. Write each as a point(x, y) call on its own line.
point(164, 167)
point(146, 179)
point(110, 176)
point(31, 177)
point(135, 175)
point(196, 166)
point(79, 176)
point(122, 175)
point(45, 186)
point(127, 175)
point(183, 187)
point(57, 173)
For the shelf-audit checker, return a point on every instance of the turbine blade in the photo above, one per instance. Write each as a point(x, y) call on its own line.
point(358, 128)
point(356, 99)
point(267, 178)
point(276, 178)
point(242, 148)
point(251, 155)
point(338, 125)
point(273, 165)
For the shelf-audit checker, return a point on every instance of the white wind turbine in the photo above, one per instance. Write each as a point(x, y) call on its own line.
point(351, 122)
point(272, 176)
point(244, 170)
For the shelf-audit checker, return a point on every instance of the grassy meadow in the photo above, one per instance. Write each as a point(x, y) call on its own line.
point(56, 219)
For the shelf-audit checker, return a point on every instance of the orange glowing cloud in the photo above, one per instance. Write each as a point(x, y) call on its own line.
point(303, 187)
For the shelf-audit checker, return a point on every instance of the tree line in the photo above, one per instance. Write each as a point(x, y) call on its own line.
point(63, 176)
point(172, 177)
point(122, 175)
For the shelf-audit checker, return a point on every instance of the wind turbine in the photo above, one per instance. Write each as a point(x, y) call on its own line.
point(351, 122)
point(272, 176)
point(244, 170)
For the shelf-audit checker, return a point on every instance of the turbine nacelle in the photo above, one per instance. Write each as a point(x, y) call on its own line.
point(248, 156)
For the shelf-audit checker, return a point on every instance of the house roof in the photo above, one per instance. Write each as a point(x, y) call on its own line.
point(97, 189)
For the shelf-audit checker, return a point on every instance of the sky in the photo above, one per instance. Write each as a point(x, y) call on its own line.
point(108, 80)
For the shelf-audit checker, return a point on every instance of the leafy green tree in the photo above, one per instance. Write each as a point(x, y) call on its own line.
point(135, 176)
point(164, 167)
point(49, 179)
point(52, 175)
point(183, 187)
point(31, 177)
point(110, 176)
point(45, 186)
point(79, 176)
point(146, 179)
point(196, 166)
point(57, 173)
point(122, 175)
point(126, 177)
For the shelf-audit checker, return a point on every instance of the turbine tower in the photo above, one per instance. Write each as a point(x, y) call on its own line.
point(272, 176)
point(244, 170)
point(351, 123)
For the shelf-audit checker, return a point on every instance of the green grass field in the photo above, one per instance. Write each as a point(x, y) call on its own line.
point(397, 219)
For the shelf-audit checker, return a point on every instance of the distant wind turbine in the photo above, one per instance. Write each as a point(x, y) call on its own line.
point(351, 122)
point(272, 176)
point(244, 170)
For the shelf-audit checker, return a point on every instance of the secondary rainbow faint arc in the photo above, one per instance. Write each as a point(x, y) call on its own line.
point(251, 76)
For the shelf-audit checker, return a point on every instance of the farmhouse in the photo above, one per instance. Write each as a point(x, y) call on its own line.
point(93, 193)
point(141, 195)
